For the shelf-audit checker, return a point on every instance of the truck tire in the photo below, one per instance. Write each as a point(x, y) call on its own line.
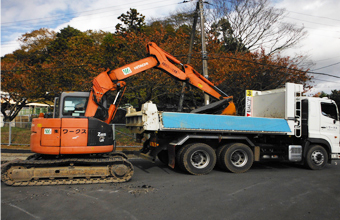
point(198, 159)
point(316, 158)
point(219, 155)
point(179, 161)
point(236, 158)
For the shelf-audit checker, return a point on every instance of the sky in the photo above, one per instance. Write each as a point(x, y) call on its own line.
point(321, 18)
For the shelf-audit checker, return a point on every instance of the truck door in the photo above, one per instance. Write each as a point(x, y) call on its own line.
point(329, 123)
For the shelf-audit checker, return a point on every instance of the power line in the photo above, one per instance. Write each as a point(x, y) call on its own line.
point(312, 22)
point(319, 29)
point(115, 15)
point(324, 74)
point(314, 16)
point(325, 80)
point(220, 57)
point(74, 13)
point(327, 66)
point(65, 15)
point(327, 59)
point(283, 67)
point(110, 15)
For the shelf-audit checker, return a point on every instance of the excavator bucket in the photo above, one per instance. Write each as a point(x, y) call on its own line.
point(223, 107)
point(230, 109)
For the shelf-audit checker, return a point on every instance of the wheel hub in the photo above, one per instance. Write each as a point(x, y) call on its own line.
point(239, 158)
point(317, 158)
point(200, 159)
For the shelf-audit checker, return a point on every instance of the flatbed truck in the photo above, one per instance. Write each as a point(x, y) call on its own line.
point(279, 124)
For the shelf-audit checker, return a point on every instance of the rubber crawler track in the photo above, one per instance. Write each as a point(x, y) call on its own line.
point(111, 160)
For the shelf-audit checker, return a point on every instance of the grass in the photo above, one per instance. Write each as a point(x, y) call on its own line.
point(124, 137)
point(18, 135)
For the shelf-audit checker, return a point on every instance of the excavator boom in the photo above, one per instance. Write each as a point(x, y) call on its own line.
point(158, 58)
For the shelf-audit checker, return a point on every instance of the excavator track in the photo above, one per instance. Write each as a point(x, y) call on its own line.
point(37, 170)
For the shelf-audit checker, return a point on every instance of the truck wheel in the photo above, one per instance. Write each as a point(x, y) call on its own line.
point(198, 159)
point(219, 155)
point(179, 161)
point(237, 158)
point(316, 158)
point(163, 157)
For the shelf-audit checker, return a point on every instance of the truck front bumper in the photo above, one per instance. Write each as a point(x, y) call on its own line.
point(335, 158)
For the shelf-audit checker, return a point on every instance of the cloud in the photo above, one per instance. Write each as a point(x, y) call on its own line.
point(321, 19)
point(19, 17)
point(17, 10)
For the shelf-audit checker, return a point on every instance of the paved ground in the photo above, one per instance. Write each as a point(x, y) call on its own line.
point(267, 191)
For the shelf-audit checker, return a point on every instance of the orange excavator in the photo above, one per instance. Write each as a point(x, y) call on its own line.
point(77, 145)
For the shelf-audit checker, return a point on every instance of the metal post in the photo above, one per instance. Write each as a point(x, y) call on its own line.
point(204, 50)
point(10, 134)
point(114, 131)
point(114, 135)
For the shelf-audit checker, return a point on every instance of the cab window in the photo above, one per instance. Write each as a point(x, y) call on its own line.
point(74, 106)
point(329, 110)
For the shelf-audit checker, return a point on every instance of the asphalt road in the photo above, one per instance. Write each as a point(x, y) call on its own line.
point(266, 191)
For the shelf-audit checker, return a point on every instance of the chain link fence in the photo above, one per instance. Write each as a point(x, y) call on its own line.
point(19, 133)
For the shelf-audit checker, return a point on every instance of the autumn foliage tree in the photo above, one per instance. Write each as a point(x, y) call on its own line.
point(49, 63)
point(237, 72)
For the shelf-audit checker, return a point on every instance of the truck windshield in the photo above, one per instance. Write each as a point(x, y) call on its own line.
point(74, 106)
point(329, 110)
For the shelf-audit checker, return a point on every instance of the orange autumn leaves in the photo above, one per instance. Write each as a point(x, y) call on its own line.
point(49, 68)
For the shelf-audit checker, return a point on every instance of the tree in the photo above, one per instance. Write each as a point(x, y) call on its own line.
point(34, 46)
point(133, 21)
point(223, 28)
point(68, 62)
point(256, 24)
point(73, 58)
point(20, 75)
point(237, 72)
point(60, 43)
point(335, 95)
point(11, 82)
point(152, 84)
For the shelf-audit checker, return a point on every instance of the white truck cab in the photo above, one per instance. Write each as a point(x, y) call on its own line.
point(323, 123)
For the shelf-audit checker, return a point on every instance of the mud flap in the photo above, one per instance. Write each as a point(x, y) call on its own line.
point(172, 155)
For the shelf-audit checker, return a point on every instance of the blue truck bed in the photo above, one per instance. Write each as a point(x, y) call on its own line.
point(223, 123)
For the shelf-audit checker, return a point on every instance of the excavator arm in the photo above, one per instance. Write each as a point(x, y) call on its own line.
point(158, 58)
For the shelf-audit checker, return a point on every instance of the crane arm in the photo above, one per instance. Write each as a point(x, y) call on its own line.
point(158, 58)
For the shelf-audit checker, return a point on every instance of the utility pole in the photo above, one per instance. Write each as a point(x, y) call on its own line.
point(192, 37)
point(204, 50)
point(199, 7)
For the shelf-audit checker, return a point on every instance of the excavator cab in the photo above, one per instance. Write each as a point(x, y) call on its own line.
point(70, 131)
point(73, 105)
point(70, 104)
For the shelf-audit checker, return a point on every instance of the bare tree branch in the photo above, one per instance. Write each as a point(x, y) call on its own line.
point(256, 24)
